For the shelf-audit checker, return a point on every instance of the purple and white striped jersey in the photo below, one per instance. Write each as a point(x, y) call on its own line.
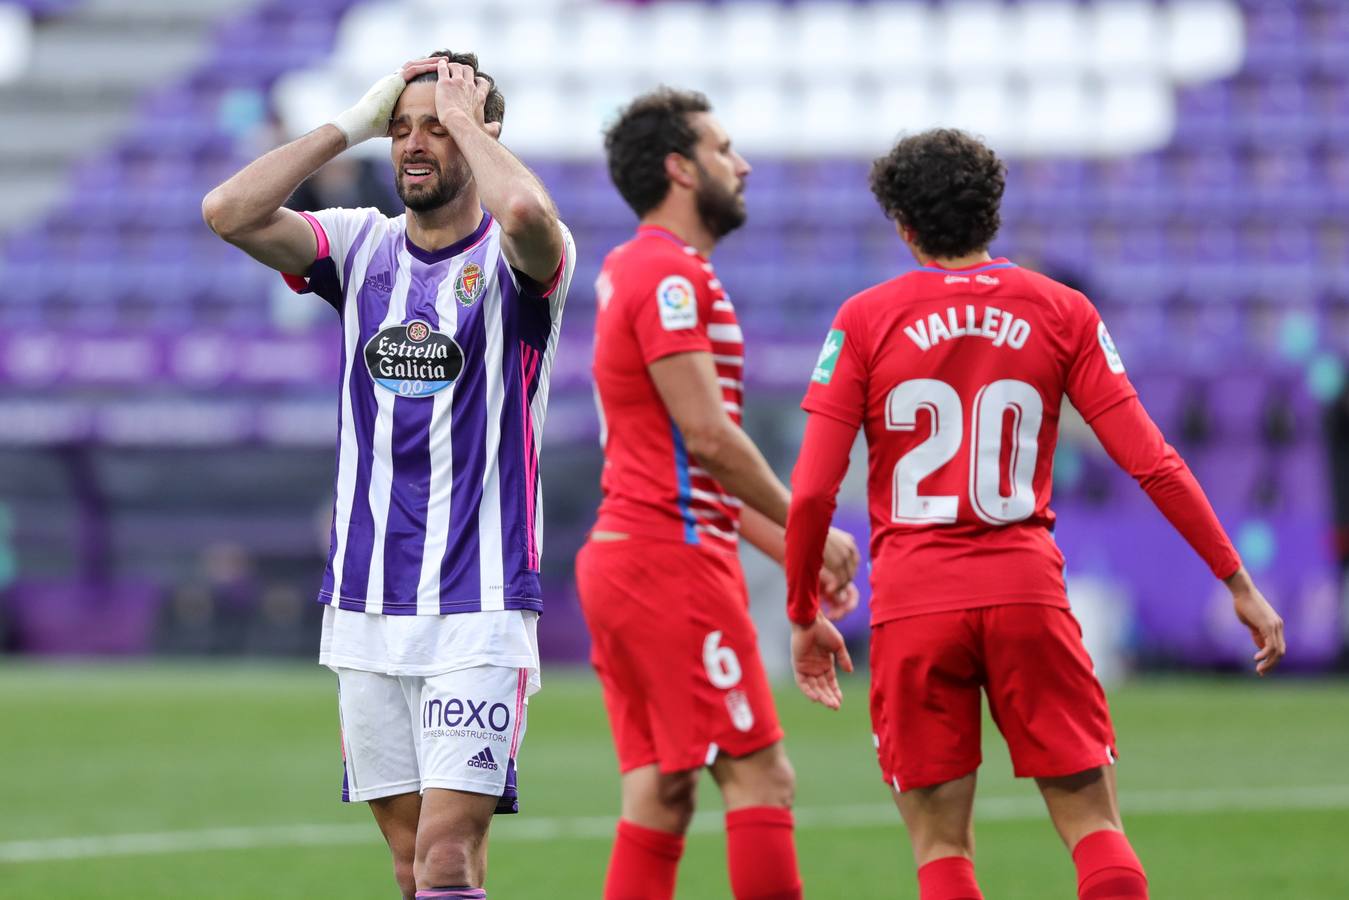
point(446, 358)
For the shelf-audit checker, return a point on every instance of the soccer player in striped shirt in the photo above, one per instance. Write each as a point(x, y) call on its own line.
point(957, 372)
point(450, 319)
point(659, 579)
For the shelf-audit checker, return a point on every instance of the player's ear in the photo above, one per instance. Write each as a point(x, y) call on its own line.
point(494, 129)
point(680, 170)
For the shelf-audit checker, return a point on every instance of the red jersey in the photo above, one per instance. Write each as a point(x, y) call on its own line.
point(656, 297)
point(957, 376)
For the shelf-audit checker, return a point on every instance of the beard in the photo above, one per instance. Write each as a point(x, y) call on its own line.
point(721, 209)
point(424, 197)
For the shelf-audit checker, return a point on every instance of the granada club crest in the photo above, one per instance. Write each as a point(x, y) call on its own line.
point(469, 284)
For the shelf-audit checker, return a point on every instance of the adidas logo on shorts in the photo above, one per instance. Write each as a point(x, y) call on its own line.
point(483, 760)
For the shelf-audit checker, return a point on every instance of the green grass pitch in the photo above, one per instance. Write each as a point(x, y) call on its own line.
point(1232, 789)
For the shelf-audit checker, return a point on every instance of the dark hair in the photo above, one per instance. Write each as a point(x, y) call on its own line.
point(495, 108)
point(645, 132)
point(946, 186)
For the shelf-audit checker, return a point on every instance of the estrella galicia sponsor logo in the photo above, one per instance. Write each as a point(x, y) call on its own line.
point(483, 760)
point(469, 284)
point(413, 360)
point(466, 718)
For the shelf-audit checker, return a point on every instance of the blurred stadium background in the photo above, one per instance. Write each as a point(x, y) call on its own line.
point(167, 414)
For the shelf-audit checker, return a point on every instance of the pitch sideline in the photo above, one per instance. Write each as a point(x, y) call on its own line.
point(869, 815)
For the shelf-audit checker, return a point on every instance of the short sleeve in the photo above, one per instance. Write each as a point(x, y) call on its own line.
point(339, 232)
point(838, 383)
point(669, 307)
point(554, 291)
point(1096, 377)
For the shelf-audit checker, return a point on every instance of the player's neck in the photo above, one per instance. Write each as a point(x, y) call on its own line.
point(685, 225)
point(954, 262)
point(436, 229)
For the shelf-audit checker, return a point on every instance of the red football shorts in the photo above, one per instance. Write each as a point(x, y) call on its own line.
point(676, 653)
point(926, 675)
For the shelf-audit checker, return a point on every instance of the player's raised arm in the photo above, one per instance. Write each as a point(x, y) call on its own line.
point(532, 236)
point(247, 209)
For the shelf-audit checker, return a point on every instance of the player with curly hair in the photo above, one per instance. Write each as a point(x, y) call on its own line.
point(957, 371)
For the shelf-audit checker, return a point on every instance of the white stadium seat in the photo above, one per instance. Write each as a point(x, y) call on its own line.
point(16, 41)
point(818, 76)
point(972, 38)
point(1125, 37)
point(1048, 37)
point(898, 39)
point(1135, 115)
point(824, 36)
point(980, 105)
point(1205, 39)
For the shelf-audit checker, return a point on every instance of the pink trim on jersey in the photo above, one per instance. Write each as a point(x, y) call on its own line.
point(556, 280)
point(529, 367)
point(299, 283)
point(324, 248)
point(521, 683)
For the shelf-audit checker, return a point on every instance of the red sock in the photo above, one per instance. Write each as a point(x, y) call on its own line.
point(761, 854)
point(1108, 868)
point(643, 864)
point(948, 878)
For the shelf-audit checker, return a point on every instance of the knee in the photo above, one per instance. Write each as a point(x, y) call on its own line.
point(761, 780)
point(780, 783)
point(677, 793)
point(455, 858)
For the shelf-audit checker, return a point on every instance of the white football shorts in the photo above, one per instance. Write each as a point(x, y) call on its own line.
point(459, 730)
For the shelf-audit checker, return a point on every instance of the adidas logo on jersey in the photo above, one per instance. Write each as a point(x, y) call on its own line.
point(483, 760)
point(380, 281)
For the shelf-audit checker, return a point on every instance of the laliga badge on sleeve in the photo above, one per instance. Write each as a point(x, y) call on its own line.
point(1108, 348)
point(824, 366)
point(677, 303)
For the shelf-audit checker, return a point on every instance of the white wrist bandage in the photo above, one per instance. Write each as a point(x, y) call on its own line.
point(369, 118)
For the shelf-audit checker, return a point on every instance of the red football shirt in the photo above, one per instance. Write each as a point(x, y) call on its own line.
point(657, 297)
point(957, 377)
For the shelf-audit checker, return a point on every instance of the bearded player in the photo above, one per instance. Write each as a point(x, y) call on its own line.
point(659, 579)
point(450, 319)
point(957, 371)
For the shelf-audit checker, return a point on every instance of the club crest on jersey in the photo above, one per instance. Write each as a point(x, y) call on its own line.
point(468, 285)
point(413, 360)
point(1112, 357)
point(742, 715)
point(677, 302)
point(824, 366)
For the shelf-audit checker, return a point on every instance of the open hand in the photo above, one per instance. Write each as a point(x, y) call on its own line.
point(461, 97)
point(815, 647)
point(1266, 627)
